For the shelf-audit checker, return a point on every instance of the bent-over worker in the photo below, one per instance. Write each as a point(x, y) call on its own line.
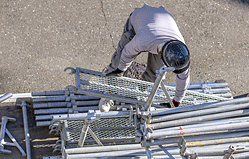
point(153, 30)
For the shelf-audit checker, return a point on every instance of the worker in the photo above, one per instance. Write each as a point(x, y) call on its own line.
point(153, 30)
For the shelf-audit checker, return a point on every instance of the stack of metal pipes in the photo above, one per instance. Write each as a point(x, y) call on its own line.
point(206, 129)
point(218, 88)
point(49, 103)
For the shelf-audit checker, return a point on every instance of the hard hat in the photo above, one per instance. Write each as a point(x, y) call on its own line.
point(175, 54)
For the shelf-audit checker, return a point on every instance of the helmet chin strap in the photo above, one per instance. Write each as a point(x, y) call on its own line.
point(160, 48)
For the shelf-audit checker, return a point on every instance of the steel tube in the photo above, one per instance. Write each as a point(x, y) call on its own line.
point(64, 110)
point(200, 119)
point(26, 129)
point(48, 93)
point(244, 155)
point(213, 123)
point(84, 133)
point(15, 143)
point(201, 106)
point(220, 90)
point(50, 99)
point(45, 117)
point(198, 113)
point(200, 85)
point(44, 123)
point(202, 151)
point(63, 98)
point(50, 105)
point(103, 149)
point(165, 132)
point(81, 116)
point(219, 141)
point(197, 138)
point(162, 73)
point(65, 104)
point(5, 97)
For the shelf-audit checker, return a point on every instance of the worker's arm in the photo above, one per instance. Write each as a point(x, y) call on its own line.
point(182, 83)
point(129, 53)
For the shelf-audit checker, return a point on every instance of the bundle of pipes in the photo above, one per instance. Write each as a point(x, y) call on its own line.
point(218, 88)
point(224, 123)
point(47, 103)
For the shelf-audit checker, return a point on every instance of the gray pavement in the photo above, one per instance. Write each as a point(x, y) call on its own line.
point(39, 39)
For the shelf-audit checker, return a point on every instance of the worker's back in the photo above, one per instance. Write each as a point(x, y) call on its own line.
point(153, 24)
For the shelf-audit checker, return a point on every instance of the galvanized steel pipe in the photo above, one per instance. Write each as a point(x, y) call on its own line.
point(199, 119)
point(198, 113)
point(5, 97)
point(198, 107)
point(81, 116)
point(165, 132)
point(103, 148)
point(201, 137)
point(65, 110)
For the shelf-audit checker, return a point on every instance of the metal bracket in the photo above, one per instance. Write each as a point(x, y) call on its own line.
point(55, 127)
point(231, 150)
point(183, 150)
point(73, 71)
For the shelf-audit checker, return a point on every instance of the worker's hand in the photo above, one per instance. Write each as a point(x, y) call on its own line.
point(176, 104)
point(116, 73)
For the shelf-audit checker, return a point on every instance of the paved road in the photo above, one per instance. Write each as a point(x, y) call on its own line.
point(38, 39)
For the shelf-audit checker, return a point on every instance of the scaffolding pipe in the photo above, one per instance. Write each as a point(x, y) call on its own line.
point(165, 132)
point(65, 110)
point(84, 132)
point(161, 75)
point(201, 151)
point(81, 116)
point(64, 98)
point(197, 138)
point(26, 129)
point(198, 113)
point(218, 141)
point(244, 155)
point(213, 123)
point(103, 149)
point(45, 117)
point(44, 123)
point(65, 104)
point(199, 119)
point(200, 85)
point(5, 97)
point(49, 93)
point(198, 107)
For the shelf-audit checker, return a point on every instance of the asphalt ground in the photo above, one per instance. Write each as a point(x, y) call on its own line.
point(39, 39)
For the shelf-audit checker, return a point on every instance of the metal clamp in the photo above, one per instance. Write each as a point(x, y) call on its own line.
point(183, 150)
point(231, 150)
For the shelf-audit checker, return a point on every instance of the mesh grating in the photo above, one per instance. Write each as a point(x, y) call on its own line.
point(135, 89)
point(105, 128)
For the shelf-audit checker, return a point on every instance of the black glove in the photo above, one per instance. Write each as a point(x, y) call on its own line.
point(116, 73)
point(176, 104)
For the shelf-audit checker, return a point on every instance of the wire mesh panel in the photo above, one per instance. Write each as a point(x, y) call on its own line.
point(104, 129)
point(94, 82)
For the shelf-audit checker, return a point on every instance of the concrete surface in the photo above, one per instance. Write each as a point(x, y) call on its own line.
point(38, 39)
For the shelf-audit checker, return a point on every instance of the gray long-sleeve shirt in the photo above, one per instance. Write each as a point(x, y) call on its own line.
point(153, 26)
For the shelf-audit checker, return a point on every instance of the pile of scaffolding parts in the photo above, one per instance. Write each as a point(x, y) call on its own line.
point(209, 123)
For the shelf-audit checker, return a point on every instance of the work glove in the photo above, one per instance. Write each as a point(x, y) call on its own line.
point(176, 104)
point(116, 73)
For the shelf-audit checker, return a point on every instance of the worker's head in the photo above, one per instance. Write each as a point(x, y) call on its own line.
point(175, 54)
